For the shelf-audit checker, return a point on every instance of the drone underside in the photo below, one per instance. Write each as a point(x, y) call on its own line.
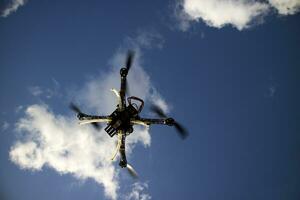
point(122, 120)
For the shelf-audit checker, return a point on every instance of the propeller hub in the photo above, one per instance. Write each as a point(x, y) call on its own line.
point(170, 121)
point(80, 115)
point(123, 72)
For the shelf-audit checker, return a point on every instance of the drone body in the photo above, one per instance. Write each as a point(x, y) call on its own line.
point(126, 115)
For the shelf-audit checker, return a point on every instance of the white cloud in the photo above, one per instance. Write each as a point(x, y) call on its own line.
point(218, 13)
point(12, 7)
point(240, 14)
point(149, 39)
point(57, 141)
point(138, 192)
point(156, 99)
point(286, 7)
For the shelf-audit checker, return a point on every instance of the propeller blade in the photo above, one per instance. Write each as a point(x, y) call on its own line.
point(158, 111)
point(128, 64)
point(181, 130)
point(74, 108)
point(131, 171)
point(129, 59)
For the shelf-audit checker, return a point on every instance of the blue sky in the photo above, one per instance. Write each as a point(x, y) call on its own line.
point(228, 71)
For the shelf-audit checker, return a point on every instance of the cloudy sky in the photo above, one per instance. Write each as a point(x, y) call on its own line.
point(227, 69)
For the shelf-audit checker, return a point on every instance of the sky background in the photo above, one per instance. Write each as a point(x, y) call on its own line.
point(231, 81)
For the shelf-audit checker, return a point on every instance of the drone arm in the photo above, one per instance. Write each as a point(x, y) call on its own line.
point(123, 160)
point(86, 119)
point(122, 92)
point(148, 121)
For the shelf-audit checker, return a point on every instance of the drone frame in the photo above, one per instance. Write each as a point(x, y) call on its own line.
point(135, 119)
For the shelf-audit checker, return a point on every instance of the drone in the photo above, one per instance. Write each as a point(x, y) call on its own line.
point(127, 114)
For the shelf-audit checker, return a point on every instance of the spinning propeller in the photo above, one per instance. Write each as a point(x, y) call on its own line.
point(75, 108)
point(170, 121)
point(129, 61)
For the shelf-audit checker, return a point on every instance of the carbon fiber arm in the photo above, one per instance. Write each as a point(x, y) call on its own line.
point(148, 121)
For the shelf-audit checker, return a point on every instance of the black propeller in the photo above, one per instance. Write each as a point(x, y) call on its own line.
point(75, 108)
point(129, 61)
point(157, 110)
point(170, 121)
